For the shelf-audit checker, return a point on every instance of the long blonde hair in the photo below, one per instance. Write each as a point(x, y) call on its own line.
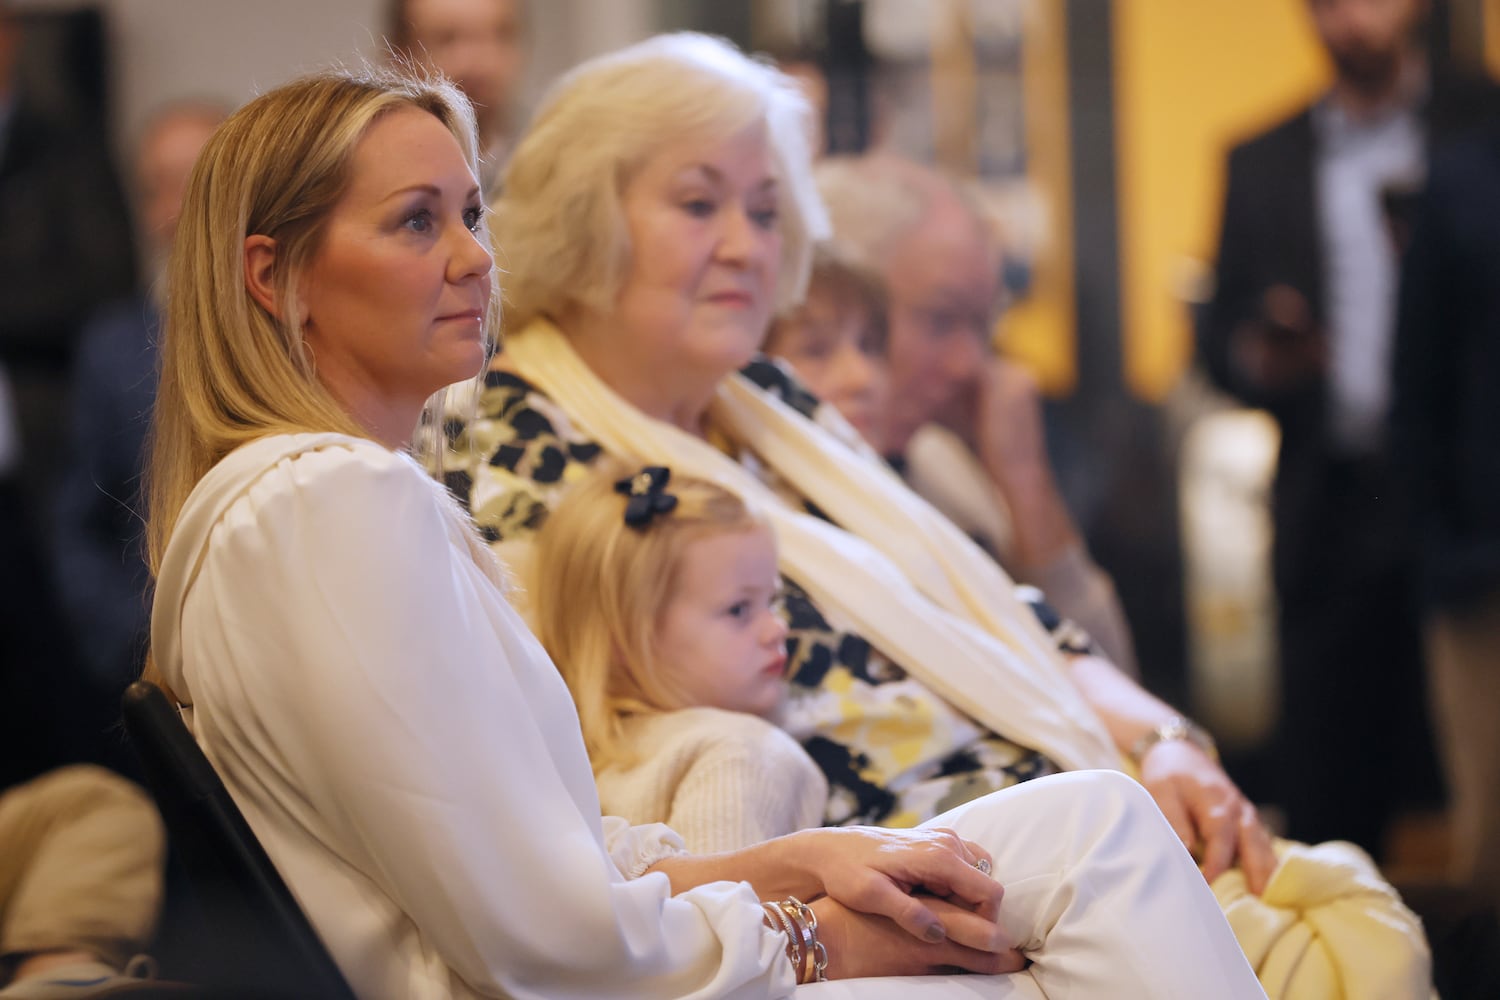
point(231, 370)
point(599, 587)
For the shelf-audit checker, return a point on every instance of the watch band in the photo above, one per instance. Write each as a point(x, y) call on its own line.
point(1178, 727)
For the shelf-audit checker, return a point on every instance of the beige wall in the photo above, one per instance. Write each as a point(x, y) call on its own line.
point(230, 50)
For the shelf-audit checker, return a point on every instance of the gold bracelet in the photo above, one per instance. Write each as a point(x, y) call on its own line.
point(820, 953)
point(798, 930)
point(814, 965)
point(778, 920)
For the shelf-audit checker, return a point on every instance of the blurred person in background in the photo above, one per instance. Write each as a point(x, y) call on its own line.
point(1301, 324)
point(1446, 441)
point(479, 45)
point(28, 695)
point(834, 342)
point(98, 552)
point(804, 67)
point(65, 249)
point(80, 885)
point(81, 849)
point(962, 424)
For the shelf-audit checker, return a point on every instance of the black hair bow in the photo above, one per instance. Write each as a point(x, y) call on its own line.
point(648, 496)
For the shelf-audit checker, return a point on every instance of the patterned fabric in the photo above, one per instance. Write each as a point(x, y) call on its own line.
point(894, 753)
point(779, 380)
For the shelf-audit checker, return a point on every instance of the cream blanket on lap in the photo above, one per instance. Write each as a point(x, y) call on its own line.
point(902, 575)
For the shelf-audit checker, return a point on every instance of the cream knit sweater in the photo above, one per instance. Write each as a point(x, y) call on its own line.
point(723, 780)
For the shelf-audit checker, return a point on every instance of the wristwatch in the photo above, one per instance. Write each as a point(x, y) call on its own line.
point(1178, 727)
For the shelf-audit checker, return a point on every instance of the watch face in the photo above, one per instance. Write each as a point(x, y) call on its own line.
point(1177, 728)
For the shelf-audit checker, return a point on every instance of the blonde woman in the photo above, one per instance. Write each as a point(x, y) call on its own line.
point(342, 647)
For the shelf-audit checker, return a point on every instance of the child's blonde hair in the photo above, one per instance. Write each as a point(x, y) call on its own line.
point(599, 587)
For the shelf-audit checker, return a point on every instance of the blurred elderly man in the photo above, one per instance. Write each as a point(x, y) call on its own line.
point(963, 425)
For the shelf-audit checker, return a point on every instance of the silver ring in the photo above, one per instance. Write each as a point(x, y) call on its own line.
point(983, 864)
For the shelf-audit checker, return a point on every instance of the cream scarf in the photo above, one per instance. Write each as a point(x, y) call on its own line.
point(896, 572)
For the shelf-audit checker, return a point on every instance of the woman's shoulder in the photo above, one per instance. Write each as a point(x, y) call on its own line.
point(312, 476)
point(513, 456)
point(313, 463)
point(303, 459)
point(515, 420)
point(281, 503)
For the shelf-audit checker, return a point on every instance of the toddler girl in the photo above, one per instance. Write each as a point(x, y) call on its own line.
point(660, 606)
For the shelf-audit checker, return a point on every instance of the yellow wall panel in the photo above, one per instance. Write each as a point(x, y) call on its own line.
point(1191, 77)
point(1492, 36)
point(1040, 329)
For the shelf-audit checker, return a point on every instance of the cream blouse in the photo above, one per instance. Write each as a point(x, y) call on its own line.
point(407, 754)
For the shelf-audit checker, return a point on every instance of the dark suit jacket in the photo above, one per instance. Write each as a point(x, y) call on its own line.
point(1270, 235)
point(65, 244)
point(100, 516)
point(1446, 414)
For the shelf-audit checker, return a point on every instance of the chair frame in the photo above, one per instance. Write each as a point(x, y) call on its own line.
point(261, 942)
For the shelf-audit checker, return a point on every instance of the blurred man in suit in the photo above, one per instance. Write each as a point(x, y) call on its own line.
point(1446, 433)
point(1301, 324)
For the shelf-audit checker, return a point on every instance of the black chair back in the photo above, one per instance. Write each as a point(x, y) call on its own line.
point(262, 942)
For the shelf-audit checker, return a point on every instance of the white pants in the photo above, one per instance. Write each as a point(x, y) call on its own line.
point(1100, 895)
